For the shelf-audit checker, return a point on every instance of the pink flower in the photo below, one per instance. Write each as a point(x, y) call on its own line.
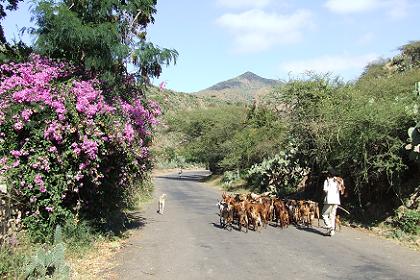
point(79, 176)
point(108, 109)
point(26, 114)
point(83, 165)
point(3, 160)
point(162, 85)
point(16, 153)
point(49, 209)
point(89, 101)
point(90, 148)
point(76, 149)
point(155, 108)
point(38, 181)
point(18, 126)
point(59, 107)
point(144, 152)
point(129, 133)
point(54, 132)
point(52, 149)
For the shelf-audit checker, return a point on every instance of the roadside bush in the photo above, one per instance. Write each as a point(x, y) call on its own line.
point(228, 138)
point(260, 136)
point(280, 174)
point(408, 220)
point(78, 235)
point(16, 52)
point(11, 262)
point(66, 152)
point(359, 129)
point(229, 177)
point(204, 131)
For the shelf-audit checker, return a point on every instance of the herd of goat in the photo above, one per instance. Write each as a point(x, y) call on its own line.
point(257, 210)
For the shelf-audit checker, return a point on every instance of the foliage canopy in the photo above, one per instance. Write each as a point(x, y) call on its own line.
point(102, 37)
point(6, 5)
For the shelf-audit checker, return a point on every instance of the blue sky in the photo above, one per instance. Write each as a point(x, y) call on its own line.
point(220, 39)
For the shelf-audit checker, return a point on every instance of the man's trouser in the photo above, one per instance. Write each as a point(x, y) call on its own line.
point(328, 215)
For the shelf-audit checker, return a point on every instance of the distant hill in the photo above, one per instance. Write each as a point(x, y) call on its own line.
point(243, 88)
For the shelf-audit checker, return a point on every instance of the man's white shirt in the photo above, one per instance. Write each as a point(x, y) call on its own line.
point(331, 188)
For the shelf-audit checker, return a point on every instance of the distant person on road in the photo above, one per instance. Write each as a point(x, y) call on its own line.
point(333, 186)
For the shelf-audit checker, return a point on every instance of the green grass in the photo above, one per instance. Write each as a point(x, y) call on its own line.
point(13, 259)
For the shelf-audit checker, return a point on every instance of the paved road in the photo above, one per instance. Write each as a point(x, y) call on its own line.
point(186, 243)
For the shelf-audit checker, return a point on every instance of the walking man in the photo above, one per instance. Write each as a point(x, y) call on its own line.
point(333, 186)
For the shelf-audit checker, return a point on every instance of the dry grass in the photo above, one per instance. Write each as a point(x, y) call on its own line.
point(388, 232)
point(215, 181)
point(396, 235)
point(97, 263)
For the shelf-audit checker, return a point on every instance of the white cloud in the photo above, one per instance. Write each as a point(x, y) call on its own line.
point(366, 39)
point(394, 8)
point(256, 30)
point(398, 8)
point(329, 63)
point(353, 6)
point(243, 3)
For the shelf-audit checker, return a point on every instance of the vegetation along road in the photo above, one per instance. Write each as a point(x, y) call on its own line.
point(187, 243)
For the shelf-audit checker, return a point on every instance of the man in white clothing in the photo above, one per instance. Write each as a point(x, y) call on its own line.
point(333, 186)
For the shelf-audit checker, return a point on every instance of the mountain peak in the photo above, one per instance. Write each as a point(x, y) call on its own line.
point(241, 88)
point(250, 76)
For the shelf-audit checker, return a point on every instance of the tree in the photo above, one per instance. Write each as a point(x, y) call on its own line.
point(102, 37)
point(10, 5)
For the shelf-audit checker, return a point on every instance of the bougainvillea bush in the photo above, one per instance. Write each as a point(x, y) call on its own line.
point(66, 151)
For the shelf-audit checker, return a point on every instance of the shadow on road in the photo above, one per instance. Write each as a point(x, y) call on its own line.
point(228, 228)
point(311, 229)
point(135, 221)
point(123, 222)
point(234, 227)
point(194, 178)
point(216, 225)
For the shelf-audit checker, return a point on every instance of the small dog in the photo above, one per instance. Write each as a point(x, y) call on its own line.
point(161, 203)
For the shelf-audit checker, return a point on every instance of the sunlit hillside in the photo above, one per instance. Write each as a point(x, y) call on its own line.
point(244, 88)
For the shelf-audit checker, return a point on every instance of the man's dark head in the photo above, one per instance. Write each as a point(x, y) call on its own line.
point(331, 172)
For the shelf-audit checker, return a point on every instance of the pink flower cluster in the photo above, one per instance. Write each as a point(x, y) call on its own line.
point(41, 164)
point(26, 114)
point(129, 132)
point(90, 148)
point(30, 82)
point(89, 101)
point(143, 119)
point(54, 132)
point(40, 183)
point(61, 131)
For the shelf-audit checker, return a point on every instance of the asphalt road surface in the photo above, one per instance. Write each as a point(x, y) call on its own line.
point(186, 243)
